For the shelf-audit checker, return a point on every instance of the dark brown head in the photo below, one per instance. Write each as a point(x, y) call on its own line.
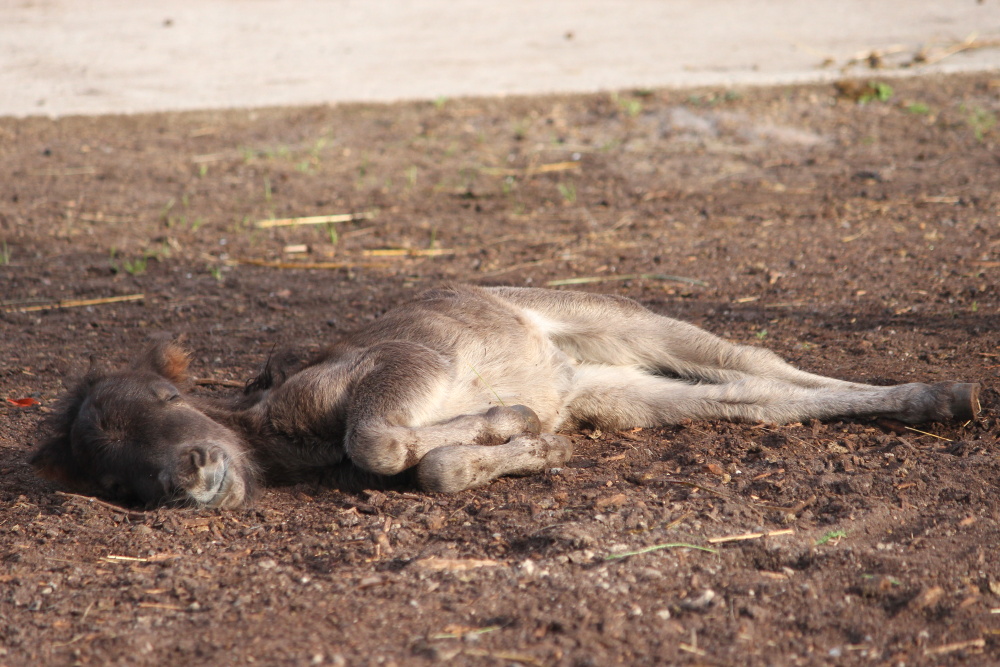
point(134, 436)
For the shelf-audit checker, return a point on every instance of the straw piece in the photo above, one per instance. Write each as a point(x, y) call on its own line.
point(314, 220)
point(75, 303)
point(408, 252)
point(976, 645)
point(302, 265)
point(585, 280)
point(659, 547)
point(750, 536)
point(531, 171)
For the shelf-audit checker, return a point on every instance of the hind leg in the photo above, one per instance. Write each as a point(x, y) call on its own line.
point(615, 331)
point(625, 397)
point(455, 468)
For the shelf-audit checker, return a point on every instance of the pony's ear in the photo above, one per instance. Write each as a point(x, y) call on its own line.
point(166, 358)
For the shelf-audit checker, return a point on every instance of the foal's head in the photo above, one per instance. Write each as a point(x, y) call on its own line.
point(132, 435)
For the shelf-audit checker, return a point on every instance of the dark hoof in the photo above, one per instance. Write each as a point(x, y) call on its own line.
point(965, 400)
point(531, 422)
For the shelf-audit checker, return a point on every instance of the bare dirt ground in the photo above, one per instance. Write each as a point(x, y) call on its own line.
point(852, 230)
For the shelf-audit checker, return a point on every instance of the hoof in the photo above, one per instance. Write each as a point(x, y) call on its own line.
point(965, 400)
point(560, 449)
point(532, 424)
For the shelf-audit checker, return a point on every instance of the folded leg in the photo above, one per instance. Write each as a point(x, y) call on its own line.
point(458, 467)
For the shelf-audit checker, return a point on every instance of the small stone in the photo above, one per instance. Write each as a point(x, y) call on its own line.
point(701, 602)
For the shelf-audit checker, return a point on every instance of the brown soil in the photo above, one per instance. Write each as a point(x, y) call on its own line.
point(858, 240)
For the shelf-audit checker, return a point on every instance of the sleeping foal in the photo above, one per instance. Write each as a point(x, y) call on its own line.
point(463, 384)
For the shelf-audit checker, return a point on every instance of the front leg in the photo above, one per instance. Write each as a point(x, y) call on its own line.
point(456, 468)
point(398, 412)
point(384, 448)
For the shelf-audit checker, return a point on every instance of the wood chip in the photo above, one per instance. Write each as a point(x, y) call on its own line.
point(616, 500)
point(198, 521)
point(928, 597)
point(688, 648)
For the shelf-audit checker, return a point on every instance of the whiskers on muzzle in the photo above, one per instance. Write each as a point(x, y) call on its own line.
point(209, 475)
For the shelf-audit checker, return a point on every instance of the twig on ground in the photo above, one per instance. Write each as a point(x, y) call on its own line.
point(531, 171)
point(967, 44)
point(155, 558)
point(688, 648)
point(90, 500)
point(160, 605)
point(459, 633)
point(85, 636)
point(303, 265)
point(659, 547)
point(314, 220)
point(751, 536)
point(408, 252)
point(584, 280)
point(917, 430)
point(975, 644)
point(506, 656)
point(78, 303)
point(212, 382)
point(678, 521)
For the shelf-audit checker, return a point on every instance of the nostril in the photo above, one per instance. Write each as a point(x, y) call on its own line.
point(199, 457)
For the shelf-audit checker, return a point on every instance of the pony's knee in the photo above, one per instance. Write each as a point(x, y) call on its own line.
point(382, 452)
